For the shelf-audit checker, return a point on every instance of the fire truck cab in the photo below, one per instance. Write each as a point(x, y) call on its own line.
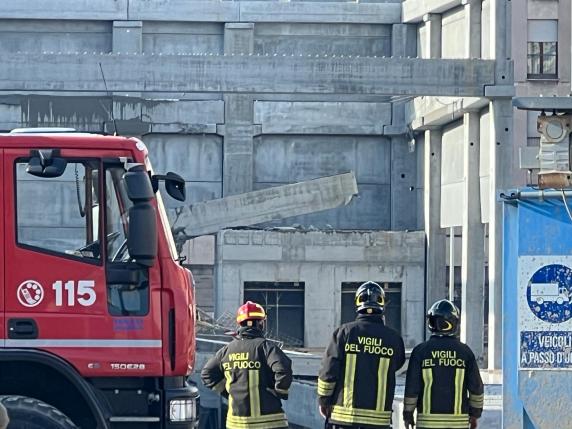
point(97, 314)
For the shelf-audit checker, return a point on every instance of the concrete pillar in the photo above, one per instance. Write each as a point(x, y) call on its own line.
point(473, 12)
point(435, 236)
point(239, 38)
point(127, 37)
point(404, 40)
point(564, 33)
point(472, 252)
point(452, 251)
point(403, 176)
point(501, 166)
point(433, 37)
point(238, 152)
point(500, 46)
point(239, 117)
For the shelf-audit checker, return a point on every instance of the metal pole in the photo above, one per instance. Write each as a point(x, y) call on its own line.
point(451, 263)
point(540, 194)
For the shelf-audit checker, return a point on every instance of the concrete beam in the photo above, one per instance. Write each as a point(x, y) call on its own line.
point(322, 12)
point(190, 73)
point(184, 10)
point(413, 10)
point(427, 112)
point(204, 11)
point(278, 117)
point(265, 205)
point(99, 10)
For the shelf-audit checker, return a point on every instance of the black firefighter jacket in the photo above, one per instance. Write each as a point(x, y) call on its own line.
point(255, 375)
point(357, 377)
point(444, 384)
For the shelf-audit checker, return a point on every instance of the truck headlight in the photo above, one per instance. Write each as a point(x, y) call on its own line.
point(182, 410)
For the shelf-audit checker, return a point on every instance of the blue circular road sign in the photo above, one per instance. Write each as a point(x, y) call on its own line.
point(549, 293)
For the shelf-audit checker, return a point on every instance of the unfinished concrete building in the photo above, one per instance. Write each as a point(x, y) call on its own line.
point(245, 95)
point(460, 142)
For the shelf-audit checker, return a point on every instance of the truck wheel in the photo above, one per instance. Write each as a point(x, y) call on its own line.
point(30, 413)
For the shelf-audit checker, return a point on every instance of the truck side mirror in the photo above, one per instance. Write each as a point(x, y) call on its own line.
point(174, 185)
point(142, 242)
point(138, 185)
point(46, 163)
point(142, 234)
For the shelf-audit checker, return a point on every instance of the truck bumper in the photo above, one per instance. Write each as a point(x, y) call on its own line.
point(182, 407)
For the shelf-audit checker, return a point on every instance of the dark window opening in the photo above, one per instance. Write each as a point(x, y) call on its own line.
point(392, 303)
point(284, 305)
point(542, 60)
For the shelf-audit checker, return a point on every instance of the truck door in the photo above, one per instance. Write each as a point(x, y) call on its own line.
point(2, 298)
point(71, 288)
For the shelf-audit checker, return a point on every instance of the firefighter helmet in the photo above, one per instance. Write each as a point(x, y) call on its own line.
point(443, 318)
point(250, 311)
point(370, 298)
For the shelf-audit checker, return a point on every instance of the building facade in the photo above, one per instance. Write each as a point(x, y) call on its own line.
point(414, 97)
point(465, 139)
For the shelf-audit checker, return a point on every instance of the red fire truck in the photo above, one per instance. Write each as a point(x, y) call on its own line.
point(97, 313)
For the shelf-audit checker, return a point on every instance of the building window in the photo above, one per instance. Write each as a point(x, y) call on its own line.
point(542, 49)
point(392, 303)
point(284, 304)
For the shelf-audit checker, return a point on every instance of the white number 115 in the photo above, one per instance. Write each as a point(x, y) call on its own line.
point(85, 295)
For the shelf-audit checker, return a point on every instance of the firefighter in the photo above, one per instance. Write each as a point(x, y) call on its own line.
point(356, 383)
point(443, 379)
point(253, 373)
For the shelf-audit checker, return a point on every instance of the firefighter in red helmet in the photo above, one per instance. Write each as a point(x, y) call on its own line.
point(253, 373)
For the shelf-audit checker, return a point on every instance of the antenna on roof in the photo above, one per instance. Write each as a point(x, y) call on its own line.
point(108, 93)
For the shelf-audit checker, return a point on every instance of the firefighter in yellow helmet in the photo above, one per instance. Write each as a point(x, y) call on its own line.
point(443, 379)
point(253, 373)
point(356, 383)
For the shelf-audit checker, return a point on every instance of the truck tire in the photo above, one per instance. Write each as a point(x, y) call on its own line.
point(30, 413)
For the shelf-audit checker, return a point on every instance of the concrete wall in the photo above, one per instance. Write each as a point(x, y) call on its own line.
point(197, 157)
point(325, 39)
point(452, 174)
point(323, 260)
point(182, 37)
point(453, 34)
point(56, 36)
point(287, 159)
